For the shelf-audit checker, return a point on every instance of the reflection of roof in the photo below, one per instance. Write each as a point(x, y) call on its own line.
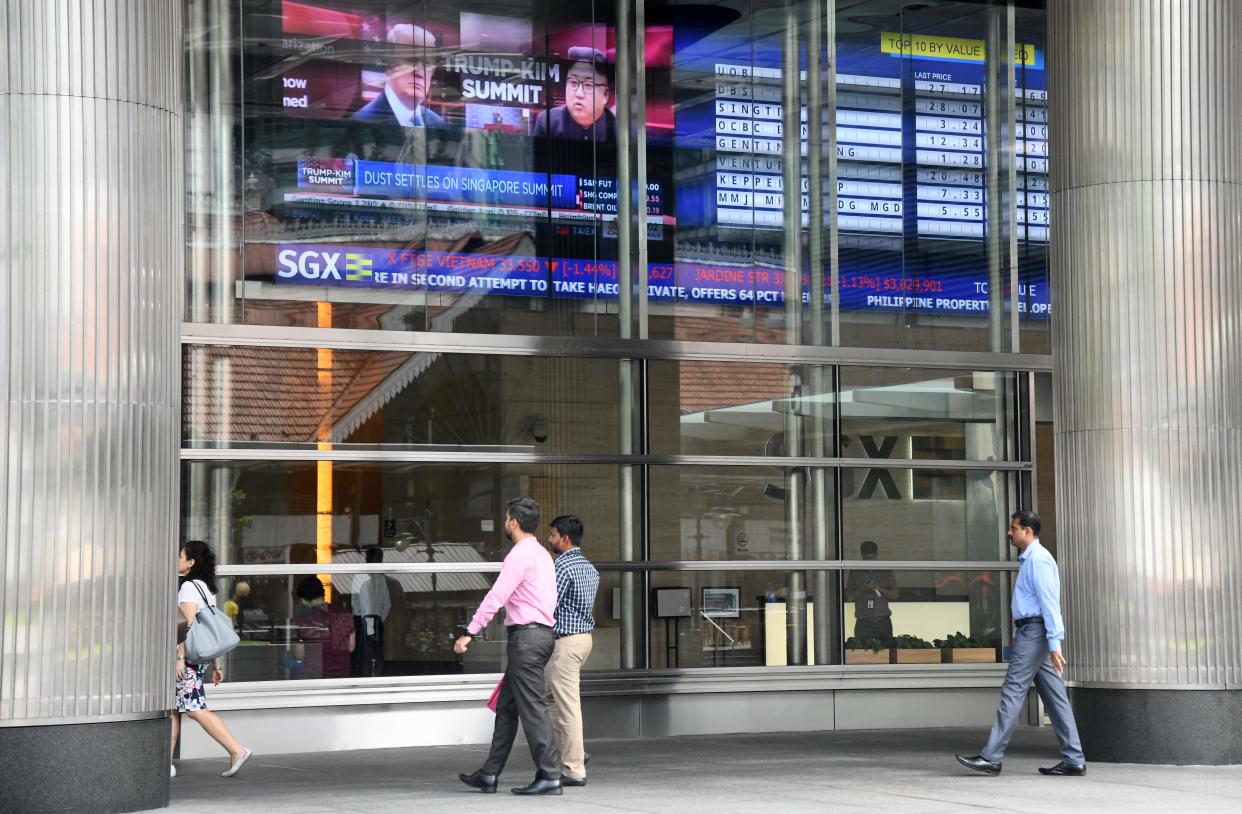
point(712, 385)
point(275, 394)
point(419, 583)
point(712, 328)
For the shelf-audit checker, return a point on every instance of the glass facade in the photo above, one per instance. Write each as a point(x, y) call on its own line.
point(443, 256)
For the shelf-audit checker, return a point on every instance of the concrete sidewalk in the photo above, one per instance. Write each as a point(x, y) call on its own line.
point(866, 772)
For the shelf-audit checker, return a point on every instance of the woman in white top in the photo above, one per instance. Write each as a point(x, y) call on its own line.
point(196, 566)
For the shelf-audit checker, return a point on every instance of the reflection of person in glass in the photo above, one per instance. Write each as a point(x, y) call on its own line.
point(588, 92)
point(409, 78)
point(235, 607)
point(328, 631)
point(372, 603)
point(871, 591)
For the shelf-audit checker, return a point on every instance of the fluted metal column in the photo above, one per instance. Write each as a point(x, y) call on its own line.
point(91, 247)
point(1145, 111)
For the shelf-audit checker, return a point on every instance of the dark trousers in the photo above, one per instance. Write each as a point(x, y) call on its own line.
point(368, 656)
point(874, 627)
point(521, 699)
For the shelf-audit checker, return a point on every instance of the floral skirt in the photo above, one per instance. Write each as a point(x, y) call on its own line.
point(190, 694)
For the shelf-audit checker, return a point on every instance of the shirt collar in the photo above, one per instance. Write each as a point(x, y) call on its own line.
point(574, 550)
point(404, 114)
point(1030, 550)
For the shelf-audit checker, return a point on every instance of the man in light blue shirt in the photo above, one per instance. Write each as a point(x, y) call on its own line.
point(1036, 655)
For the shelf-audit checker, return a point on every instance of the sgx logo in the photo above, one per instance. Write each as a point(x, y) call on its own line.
point(315, 264)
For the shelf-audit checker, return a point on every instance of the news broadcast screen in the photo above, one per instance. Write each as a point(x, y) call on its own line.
point(453, 148)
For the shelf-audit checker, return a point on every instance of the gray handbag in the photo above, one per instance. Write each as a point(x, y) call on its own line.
point(211, 635)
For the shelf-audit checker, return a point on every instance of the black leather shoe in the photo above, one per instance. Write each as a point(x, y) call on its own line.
point(541, 785)
point(1067, 769)
point(979, 764)
point(567, 780)
point(485, 783)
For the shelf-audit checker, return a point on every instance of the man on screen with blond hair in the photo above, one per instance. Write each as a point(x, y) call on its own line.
point(410, 71)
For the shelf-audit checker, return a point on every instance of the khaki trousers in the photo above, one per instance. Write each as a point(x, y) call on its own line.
point(565, 702)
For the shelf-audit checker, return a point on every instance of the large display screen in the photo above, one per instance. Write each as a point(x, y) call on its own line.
point(451, 148)
point(910, 156)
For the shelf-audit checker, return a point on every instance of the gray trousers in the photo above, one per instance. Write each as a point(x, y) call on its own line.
point(521, 699)
point(1030, 660)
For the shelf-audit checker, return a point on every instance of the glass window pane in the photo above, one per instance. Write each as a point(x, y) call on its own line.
point(1034, 228)
point(729, 619)
point(1045, 462)
point(305, 627)
point(923, 181)
point(290, 632)
point(214, 151)
point(609, 610)
point(740, 513)
point(739, 408)
point(927, 414)
point(924, 617)
point(744, 243)
point(926, 514)
point(327, 511)
point(302, 397)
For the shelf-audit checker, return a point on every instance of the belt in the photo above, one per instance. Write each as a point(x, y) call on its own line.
point(1028, 620)
point(528, 626)
point(564, 635)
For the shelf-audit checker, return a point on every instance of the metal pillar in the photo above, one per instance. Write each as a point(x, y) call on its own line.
point(91, 254)
point(1146, 260)
point(791, 165)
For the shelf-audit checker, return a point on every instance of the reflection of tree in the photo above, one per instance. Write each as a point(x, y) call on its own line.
point(206, 521)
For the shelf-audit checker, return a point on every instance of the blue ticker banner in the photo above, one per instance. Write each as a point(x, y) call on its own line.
point(563, 278)
point(354, 178)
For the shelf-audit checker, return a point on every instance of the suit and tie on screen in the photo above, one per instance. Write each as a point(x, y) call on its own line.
point(409, 76)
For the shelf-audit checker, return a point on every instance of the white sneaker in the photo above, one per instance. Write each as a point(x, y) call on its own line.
point(172, 770)
point(237, 764)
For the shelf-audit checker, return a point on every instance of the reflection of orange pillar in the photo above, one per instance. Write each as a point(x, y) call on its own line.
point(323, 473)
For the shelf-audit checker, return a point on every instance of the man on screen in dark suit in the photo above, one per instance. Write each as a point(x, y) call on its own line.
point(588, 93)
point(409, 77)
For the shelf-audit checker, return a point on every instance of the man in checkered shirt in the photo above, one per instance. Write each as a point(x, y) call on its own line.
point(576, 584)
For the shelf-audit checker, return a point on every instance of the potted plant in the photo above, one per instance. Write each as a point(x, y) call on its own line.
point(913, 650)
point(865, 651)
point(962, 649)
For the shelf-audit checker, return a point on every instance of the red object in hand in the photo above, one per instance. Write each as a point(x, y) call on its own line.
point(495, 696)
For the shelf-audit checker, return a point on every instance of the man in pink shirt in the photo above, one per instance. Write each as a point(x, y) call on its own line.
point(526, 589)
